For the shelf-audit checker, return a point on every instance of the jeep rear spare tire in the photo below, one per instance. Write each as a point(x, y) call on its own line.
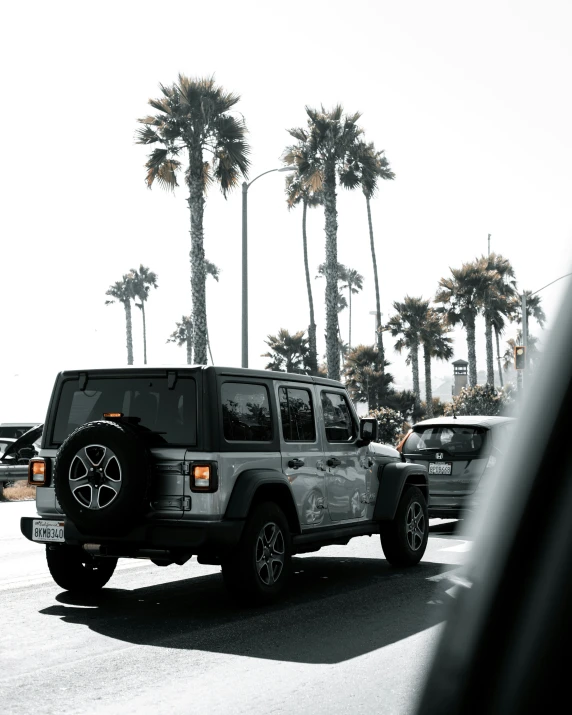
point(102, 477)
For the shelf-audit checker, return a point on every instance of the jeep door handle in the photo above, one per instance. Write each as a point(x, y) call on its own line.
point(296, 463)
point(333, 462)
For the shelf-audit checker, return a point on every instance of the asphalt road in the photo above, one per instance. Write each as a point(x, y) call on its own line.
point(352, 636)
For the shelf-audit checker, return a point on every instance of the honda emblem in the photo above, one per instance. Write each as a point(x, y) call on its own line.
point(439, 455)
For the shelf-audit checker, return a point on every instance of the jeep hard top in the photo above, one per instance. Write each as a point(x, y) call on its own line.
point(242, 468)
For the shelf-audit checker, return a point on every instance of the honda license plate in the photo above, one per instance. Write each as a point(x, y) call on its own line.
point(440, 467)
point(47, 530)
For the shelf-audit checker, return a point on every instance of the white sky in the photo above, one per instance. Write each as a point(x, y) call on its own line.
point(470, 101)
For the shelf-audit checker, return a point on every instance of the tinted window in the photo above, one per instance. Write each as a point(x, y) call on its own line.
point(297, 415)
point(170, 414)
point(463, 440)
point(245, 412)
point(337, 417)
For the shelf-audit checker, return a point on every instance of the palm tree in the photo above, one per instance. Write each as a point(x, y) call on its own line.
point(288, 352)
point(435, 345)
point(321, 159)
point(461, 298)
point(407, 323)
point(497, 301)
point(193, 116)
point(367, 165)
point(122, 292)
point(142, 281)
point(297, 192)
point(214, 271)
point(353, 281)
point(364, 379)
point(183, 335)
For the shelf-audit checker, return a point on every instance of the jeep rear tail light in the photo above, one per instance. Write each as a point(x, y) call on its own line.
point(203, 478)
point(38, 472)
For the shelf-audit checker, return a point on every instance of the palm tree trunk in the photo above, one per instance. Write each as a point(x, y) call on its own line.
point(376, 281)
point(499, 357)
point(415, 369)
point(428, 386)
point(313, 350)
point(129, 331)
point(196, 206)
point(489, 349)
point(472, 353)
point(350, 330)
point(190, 349)
point(144, 334)
point(209, 347)
point(331, 270)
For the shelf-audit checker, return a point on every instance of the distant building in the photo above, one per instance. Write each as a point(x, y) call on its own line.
point(460, 376)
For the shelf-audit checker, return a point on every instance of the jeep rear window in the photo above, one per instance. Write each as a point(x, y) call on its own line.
point(463, 440)
point(245, 412)
point(171, 415)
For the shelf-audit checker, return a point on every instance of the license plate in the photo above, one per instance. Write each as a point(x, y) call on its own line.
point(440, 467)
point(47, 530)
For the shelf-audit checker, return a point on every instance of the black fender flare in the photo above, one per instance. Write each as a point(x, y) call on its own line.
point(247, 485)
point(392, 479)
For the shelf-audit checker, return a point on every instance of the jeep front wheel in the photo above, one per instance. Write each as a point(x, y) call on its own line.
point(259, 569)
point(76, 571)
point(404, 539)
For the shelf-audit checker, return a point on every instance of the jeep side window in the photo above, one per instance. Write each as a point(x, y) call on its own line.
point(245, 412)
point(297, 414)
point(338, 419)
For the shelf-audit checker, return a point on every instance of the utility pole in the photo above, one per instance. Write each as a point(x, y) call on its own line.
point(489, 244)
point(524, 335)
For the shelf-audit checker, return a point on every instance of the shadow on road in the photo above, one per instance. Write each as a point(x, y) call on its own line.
point(337, 609)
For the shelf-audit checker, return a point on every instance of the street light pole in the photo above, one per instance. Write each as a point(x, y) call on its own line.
point(245, 187)
point(525, 316)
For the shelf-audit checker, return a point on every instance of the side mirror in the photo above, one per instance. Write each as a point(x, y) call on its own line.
point(368, 430)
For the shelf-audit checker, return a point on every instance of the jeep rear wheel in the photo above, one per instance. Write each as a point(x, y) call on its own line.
point(259, 569)
point(404, 539)
point(74, 570)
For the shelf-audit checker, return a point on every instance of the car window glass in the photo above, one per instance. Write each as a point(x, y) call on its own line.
point(465, 440)
point(338, 421)
point(245, 412)
point(158, 408)
point(297, 415)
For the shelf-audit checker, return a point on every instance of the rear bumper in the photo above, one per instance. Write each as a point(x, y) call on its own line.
point(182, 537)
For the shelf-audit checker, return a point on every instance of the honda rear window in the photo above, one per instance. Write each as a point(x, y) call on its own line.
point(462, 440)
point(170, 415)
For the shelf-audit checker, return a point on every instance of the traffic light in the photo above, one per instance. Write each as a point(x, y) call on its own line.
point(519, 357)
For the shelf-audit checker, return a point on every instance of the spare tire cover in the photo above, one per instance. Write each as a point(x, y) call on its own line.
point(102, 477)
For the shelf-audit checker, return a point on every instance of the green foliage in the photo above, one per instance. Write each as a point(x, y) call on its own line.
point(195, 114)
point(390, 424)
point(364, 379)
point(182, 332)
point(481, 400)
point(288, 353)
point(438, 408)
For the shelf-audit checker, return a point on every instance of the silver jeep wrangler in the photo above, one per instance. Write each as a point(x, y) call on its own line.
point(242, 468)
